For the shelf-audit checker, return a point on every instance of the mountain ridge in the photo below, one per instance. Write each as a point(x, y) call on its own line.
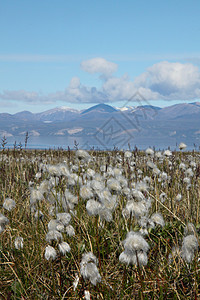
point(141, 123)
point(100, 108)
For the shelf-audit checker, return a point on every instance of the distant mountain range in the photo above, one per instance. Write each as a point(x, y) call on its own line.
point(141, 124)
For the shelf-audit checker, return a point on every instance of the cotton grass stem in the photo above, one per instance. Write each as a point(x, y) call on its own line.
point(130, 219)
point(97, 241)
point(124, 278)
point(39, 229)
point(53, 278)
point(140, 277)
point(198, 204)
point(60, 271)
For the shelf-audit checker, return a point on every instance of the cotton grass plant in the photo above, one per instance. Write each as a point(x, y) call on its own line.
point(99, 225)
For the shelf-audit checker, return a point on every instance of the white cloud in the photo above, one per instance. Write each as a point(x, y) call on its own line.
point(99, 65)
point(171, 80)
point(20, 95)
point(74, 83)
point(122, 89)
point(164, 80)
point(118, 88)
point(78, 93)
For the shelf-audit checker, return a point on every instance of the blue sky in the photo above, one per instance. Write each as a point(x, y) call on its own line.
point(80, 53)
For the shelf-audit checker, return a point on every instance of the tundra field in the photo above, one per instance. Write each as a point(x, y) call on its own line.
point(99, 225)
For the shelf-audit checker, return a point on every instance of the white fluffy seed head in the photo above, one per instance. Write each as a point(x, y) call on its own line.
point(137, 209)
point(189, 172)
point(3, 220)
point(97, 185)
point(89, 257)
point(149, 152)
point(104, 195)
point(138, 195)
point(193, 164)
point(142, 186)
point(54, 235)
point(142, 258)
point(109, 202)
point(87, 295)
point(38, 175)
point(86, 192)
point(64, 247)
point(182, 146)
point(135, 242)
point(159, 155)
point(105, 214)
point(89, 269)
point(164, 176)
point(136, 249)
point(117, 172)
point(103, 168)
point(189, 246)
point(190, 242)
point(122, 181)
point(167, 153)
point(35, 196)
point(83, 155)
point(53, 170)
point(50, 253)
point(133, 258)
point(63, 218)
point(63, 169)
point(156, 171)
point(70, 230)
point(158, 219)
point(9, 204)
point(90, 173)
point(127, 259)
point(182, 166)
point(76, 281)
point(187, 180)
point(163, 197)
point(178, 197)
point(52, 225)
point(93, 207)
point(151, 165)
point(127, 154)
point(19, 243)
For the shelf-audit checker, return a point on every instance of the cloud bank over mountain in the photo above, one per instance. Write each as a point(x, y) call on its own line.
point(171, 80)
point(161, 81)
